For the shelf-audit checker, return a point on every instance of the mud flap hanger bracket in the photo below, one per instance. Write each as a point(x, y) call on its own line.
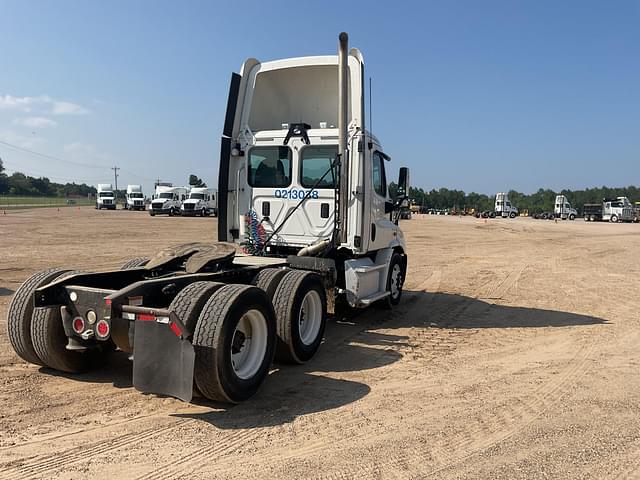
point(160, 315)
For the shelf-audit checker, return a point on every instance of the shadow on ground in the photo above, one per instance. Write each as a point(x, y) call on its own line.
point(448, 310)
point(5, 292)
point(352, 343)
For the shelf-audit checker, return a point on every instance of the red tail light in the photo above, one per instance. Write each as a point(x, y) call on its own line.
point(102, 328)
point(78, 325)
point(146, 317)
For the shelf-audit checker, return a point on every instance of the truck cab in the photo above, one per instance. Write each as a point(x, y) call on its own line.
point(300, 172)
point(201, 201)
point(135, 198)
point(105, 197)
point(617, 209)
point(503, 207)
point(563, 209)
point(168, 200)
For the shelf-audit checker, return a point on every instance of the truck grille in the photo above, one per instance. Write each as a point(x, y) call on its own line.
point(106, 202)
point(189, 206)
point(156, 206)
point(137, 203)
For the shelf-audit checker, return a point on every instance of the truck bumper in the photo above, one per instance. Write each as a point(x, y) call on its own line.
point(159, 211)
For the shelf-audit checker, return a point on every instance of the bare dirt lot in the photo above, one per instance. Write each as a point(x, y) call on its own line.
point(515, 353)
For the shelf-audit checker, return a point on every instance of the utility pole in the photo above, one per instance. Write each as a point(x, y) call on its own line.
point(115, 175)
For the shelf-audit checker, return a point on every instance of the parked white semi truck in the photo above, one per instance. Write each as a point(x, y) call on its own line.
point(201, 201)
point(563, 209)
point(503, 207)
point(135, 198)
point(309, 203)
point(168, 200)
point(105, 197)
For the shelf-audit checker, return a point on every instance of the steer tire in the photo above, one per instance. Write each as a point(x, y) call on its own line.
point(21, 312)
point(216, 340)
point(614, 218)
point(512, 215)
point(269, 279)
point(134, 263)
point(572, 217)
point(397, 262)
point(294, 289)
point(188, 303)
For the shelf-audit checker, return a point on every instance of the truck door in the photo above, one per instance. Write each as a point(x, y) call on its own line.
point(382, 228)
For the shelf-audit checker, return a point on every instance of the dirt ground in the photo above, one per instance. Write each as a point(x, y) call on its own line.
point(515, 353)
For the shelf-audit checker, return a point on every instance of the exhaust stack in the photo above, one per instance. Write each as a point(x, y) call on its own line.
point(343, 108)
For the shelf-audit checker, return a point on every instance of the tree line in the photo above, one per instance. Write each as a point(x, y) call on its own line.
point(541, 201)
point(20, 184)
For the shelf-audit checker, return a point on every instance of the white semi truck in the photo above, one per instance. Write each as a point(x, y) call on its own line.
point(105, 197)
point(309, 204)
point(168, 200)
point(503, 207)
point(613, 210)
point(563, 209)
point(201, 201)
point(135, 198)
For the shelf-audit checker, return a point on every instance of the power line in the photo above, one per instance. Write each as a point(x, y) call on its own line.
point(50, 157)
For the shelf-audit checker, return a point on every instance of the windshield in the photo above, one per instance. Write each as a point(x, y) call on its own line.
point(269, 167)
point(168, 195)
point(105, 194)
point(315, 163)
point(135, 195)
point(197, 196)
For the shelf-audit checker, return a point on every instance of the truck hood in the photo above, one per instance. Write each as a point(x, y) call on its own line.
point(194, 201)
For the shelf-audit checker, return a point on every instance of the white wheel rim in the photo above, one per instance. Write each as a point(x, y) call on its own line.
point(396, 277)
point(249, 344)
point(310, 317)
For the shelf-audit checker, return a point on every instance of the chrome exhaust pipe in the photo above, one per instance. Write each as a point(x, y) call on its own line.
point(343, 109)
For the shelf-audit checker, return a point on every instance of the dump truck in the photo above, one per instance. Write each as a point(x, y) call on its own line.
point(135, 198)
point(613, 210)
point(308, 204)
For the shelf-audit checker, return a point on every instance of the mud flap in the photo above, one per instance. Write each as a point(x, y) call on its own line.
point(162, 360)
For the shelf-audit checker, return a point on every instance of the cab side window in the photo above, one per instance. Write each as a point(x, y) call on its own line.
point(379, 177)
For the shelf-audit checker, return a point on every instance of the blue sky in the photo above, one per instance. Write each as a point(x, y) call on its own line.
point(484, 96)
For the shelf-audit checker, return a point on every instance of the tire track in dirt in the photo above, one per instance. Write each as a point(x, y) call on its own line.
point(479, 435)
point(44, 466)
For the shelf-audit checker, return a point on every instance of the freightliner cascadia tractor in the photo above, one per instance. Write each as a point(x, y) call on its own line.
point(305, 220)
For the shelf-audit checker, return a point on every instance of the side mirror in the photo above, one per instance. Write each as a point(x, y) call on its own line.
point(403, 186)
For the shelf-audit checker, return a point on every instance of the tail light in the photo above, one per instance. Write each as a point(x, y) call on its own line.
point(102, 328)
point(78, 325)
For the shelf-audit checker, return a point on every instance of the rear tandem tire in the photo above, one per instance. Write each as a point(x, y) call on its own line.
point(188, 303)
point(300, 303)
point(234, 342)
point(50, 341)
point(21, 313)
point(269, 279)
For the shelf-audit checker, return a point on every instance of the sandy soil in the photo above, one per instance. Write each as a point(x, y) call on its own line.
point(514, 354)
